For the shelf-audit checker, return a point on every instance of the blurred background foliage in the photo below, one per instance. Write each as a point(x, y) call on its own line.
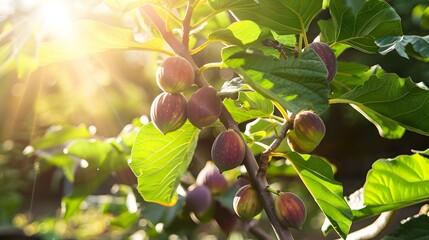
point(111, 89)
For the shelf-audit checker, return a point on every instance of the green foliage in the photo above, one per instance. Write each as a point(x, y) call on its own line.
point(419, 46)
point(159, 161)
point(415, 228)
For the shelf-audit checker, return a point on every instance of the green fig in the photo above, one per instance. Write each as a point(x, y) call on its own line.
point(307, 133)
point(246, 203)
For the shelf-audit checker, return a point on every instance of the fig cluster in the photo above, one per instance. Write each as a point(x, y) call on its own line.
point(307, 132)
point(170, 109)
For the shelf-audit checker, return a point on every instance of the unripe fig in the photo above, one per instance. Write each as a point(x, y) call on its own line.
point(199, 199)
point(290, 210)
point(246, 203)
point(175, 74)
point(307, 133)
point(212, 178)
point(228, 150)
point(203, 107)
point(328, 57)
point(168, 111)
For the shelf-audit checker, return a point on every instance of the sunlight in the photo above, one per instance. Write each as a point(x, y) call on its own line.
point(56, 18)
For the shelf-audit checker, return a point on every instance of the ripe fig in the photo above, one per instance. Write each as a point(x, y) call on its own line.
point(228, 150)
point(203, 107)
point(175, 74)
point(212, 178)
point(225, 218)
point(328, 57)
point(307, 133)
point(199, 199)
point(168, 111)
point(290, 210)
point(246, 203)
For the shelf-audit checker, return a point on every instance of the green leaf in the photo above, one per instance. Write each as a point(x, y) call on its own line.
point(223, 5)
point(349, 75)
point(238, 33)
point(296, 84)
point(92, 37)
point(415, 228)
point(93, 151)
point(122, 6)
point(284, 16)
point(419, 46)
point(249, 105)
point(360, 29)
point(58, 135)
point(395, 183)
point(317, 175)
point(393, 99)
point(160, 160)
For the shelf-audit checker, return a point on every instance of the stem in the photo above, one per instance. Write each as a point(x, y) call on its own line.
point(207, 66)
point(187, 24)
point(299, 46)
point(252, 227)
point(202, 46)
point(259, 182)
point(304, 36)
point(171, 15)
point(282, 110)
point(373, 230)
point(205, 19)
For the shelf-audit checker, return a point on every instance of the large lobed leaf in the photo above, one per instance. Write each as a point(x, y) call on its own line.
point(395, 183)
point(159, 161)
point(419, 46)
point(284, 16)
point(375, 19)
point(92, 37)
point(248, 106)
point(317, 175)
point(296, 84)
point(392, 99)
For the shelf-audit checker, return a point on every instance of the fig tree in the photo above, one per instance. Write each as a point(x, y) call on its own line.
point(307, 133)
point(199, 199)
point(290, 210)
point(203, 107)
point(328, 57)
point(168, 111)
point(228, 150)
point(246, 203)
point(175, 74)
point(212, 178)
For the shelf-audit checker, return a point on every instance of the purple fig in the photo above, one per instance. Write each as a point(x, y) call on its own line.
point(225, 218)
point(212, 178)
point(328, 57)
point(246, 203)
point(175, 74)
point(307, 133)
point(168, 111)
point(203, 107)
point(199, 199)
point(290, 210)
point(228, 150)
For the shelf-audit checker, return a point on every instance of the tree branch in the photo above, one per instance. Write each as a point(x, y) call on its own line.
point(259, 182)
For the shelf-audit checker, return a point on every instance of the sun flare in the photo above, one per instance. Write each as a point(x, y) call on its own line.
point(56, 18)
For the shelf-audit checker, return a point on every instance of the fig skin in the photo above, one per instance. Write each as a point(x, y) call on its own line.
point(307, 133)
point(246, 203)
point(228, 150)
point(199, 199)
point(212, 178)
point(175, 74)
point(168, 111)
point(328, 57)
point(204, 107)
point(290, 210)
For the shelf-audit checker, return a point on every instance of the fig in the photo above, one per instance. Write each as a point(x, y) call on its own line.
point(228, 150)
point(168, 111)
point(212, 178)
point(225, 218)
point(328, 57)
point(290, 210)
point(246, 203)
point(199, 199)
point(307, 133)
point(175, 74)
point(203, 107)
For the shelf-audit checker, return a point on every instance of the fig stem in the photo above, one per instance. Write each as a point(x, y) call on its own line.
point(205, 19)
point(207, 66)
point(259, 182)
point(187, 24)
point(272, 190)
point(282, 110)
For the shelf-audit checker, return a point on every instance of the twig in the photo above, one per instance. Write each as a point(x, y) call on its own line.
point(258, 182)
point(187, 24)
point(252, 227)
